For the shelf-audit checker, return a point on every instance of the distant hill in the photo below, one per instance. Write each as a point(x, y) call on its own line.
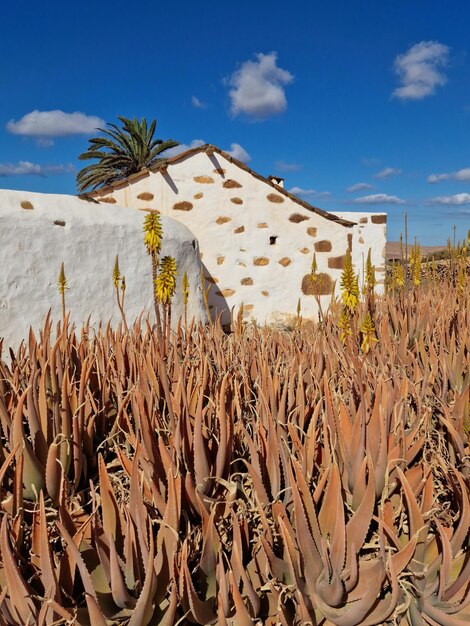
point(393, 250)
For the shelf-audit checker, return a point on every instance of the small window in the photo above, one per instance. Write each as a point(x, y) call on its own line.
point(272, 240)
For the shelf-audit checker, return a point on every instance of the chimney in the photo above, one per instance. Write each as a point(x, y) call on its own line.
point(277, 180)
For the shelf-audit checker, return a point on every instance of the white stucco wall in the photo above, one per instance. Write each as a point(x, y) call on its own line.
point(233, 225)
point(86, 237)
point(370, 233)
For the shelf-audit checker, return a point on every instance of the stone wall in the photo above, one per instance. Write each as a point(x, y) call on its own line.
point(39, 231)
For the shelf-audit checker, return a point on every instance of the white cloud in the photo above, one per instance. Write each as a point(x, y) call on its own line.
point(238, 152)
point(288, 167)
point(182, 147)
point(378, 198)
point(257, 87)
point(25, 168)
point(359, 187)
point(309, 193)
point(198, 104)
point(461, 175)
point(456, 200)
point(46, 124)
point(419, 70)
point(387, 172)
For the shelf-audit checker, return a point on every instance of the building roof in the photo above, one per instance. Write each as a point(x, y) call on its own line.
point(210, 149)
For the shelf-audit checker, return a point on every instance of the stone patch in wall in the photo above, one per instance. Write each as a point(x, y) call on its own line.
point(285, 261)
point(363, 220)
point(261, 260)
point(304, 250)
point(223, 220)
point(110, 200)
point(26, 204)
point(297, 218)
point(246, 281)
point(204, 180)
point(146, 195)
point(312, 231)
point(323, 246)
point(274, 197)
point(265, 293)
point(220, 260)
point(182, 206)
point(241, 264)
point(231, 184)
point(361, 240)
point(336, 262)
point(236, 200)
point(240, 229)
point(262, 225)
point(248, 307)
point(211, 279)
point(378, 219)
point(198, 196)
point(322, 286)
point(220, 171)
point(225, 293)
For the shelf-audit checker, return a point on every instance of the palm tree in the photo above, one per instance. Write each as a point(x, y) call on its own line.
point(120, 153)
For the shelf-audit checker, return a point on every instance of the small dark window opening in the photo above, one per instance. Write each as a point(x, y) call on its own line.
point(194, 243)
point(272, 240)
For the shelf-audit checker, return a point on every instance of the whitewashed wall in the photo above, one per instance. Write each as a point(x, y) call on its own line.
point(34, 240)
point(233, 214)
point(370, 233)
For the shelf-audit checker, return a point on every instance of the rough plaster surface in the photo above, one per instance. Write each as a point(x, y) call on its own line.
point(241, 234)
point(86, 236)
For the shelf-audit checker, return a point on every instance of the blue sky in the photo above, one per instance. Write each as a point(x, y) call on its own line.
point(360, 105)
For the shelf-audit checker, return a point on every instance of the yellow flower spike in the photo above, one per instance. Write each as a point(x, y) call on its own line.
point(400, 276)
point(461, 279)
point(185, 289)
point(344, 323)
point(62, 280)
point(165, 284)
point(123, 283)
point(153, 232)
point(116, 273)
point(370, 274)
point(349, 284)
point(368, 333)
point(314, 270)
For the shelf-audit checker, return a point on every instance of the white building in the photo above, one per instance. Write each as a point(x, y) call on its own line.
point(256, 239)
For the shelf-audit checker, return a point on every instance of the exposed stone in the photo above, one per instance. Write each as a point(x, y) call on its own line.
point(205, 180)
point(26, 204)
point(182, 206)
point(236, 200)
point(225, 293)
point(262, 225)
point(145, 196)
point(109, 200)
point(322, 286)
point(285, 261)
point(220, 171)
point(312, 231)
point(305, 250)
point(248, 307)
point(220, 260)
point(323, 246)
point(240, 229)
point(241, 264)
point(198, 196)
point(223, 220)
point(231, 184)
point(274, 197)
point(211, 279)
point(297, 218)
point(59, 222)
point(336, 262)
point(265, 293)
point(363, 220)
point(361, 240)
point(378, 219)
point(261, 260)
point(246, 281)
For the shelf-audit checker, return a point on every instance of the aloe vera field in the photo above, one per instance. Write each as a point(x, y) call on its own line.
point(317, 476)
